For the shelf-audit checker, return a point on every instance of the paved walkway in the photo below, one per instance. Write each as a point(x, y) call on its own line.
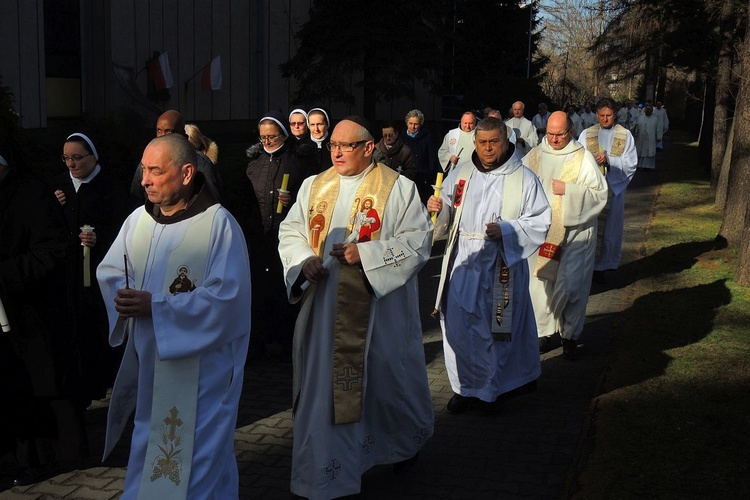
point(534, 449)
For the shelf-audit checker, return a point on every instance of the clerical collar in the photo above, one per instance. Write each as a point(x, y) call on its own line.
point(319, 142)
point(198, 203)
point(77, 182)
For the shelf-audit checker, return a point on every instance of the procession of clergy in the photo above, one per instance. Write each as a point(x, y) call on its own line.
point(530, 210)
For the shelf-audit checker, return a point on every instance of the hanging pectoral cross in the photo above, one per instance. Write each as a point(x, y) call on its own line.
point(172, 421)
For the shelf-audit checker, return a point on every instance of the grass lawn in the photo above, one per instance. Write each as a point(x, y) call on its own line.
point(673, 415)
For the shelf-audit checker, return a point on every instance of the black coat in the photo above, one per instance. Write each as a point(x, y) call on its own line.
point(102, 204)
point(37, 357)
point(266, 171)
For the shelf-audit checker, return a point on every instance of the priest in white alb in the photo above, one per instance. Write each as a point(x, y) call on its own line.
point(614, 150)
point(176, 283)
point(563, 266)
point(496, 216)
point(458, 143)
point(361, 396)
point(648, 133)
point(526, 136)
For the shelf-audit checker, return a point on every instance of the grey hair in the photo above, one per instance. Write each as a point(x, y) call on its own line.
point(415, 113)
point(491, 124)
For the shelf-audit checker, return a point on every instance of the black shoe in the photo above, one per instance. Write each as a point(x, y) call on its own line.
point(405, 465)
point(459, 403)
point(545, 344)
point(33, 475)
point(569, 349)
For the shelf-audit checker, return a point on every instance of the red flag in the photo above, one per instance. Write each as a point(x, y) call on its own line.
point(211, 77)
point(161, 74)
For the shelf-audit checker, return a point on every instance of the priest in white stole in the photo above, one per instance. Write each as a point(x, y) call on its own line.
point(614, 150)
point(563, 266)
point(361, 395)
point(499, 217)
point(176, 283)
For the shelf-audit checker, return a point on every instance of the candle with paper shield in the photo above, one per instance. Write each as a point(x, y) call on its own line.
point(284, 185)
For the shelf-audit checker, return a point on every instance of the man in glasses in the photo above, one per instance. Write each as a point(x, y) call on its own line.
point(361, 396)
point(614, 150)
point(498, 217)
point(562, 268)
point(171, 122)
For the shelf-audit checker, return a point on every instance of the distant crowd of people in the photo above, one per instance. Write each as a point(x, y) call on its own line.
point(164, 293)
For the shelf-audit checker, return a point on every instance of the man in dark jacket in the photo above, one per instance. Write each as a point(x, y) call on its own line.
point(395, 153)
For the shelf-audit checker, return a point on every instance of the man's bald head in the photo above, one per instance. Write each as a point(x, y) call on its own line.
point(559, 126)
point(169, 122)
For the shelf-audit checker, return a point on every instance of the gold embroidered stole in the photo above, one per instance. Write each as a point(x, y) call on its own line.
point(548, 260)
point(618, 141)
point(353, 299)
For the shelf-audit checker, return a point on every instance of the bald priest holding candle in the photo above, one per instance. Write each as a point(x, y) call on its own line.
point(176, 283)
point(358, 234)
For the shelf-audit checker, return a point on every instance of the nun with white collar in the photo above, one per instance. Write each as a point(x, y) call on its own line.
point(94, 206)
point(319, 125)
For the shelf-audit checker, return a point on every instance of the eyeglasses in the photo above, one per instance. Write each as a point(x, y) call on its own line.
point(74, 158)
point(557, 136)
point(296, 124)
point(344, 147)
point(268, 138)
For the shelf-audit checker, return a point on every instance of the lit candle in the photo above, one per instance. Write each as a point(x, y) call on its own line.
point(86, 258)
point(437, 187)
point(284, 185)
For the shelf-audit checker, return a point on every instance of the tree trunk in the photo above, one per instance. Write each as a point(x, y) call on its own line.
point(723, 92)
point(742, 276)
point(739, 174)
point(721, 187)
point(707, 124)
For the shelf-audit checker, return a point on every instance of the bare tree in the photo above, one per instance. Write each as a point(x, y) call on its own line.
point(570, 29)
point(727, 23)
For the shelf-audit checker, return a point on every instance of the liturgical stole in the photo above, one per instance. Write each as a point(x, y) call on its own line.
point(548, 260)
point(353, 298)
point(168, 460)
point(618, 141)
